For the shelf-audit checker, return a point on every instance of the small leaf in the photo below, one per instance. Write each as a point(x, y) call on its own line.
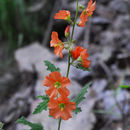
point(42, 106)
point(44, 97)
point(80, 97)
point(51, 67)
point(22, 120)
point(34, 126)
point(37, 126)
point(79, 66)
point(78, 109)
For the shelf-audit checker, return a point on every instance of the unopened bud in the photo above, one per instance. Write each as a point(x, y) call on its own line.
point(81, 7)
point(67, 32)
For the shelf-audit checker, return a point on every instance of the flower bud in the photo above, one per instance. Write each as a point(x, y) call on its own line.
point(67, 32)
point(81, 7)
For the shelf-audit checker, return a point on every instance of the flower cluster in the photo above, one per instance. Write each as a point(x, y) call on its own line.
point(59, 104)
point(87, 13)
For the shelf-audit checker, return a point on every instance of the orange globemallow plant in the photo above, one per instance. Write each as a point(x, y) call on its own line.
point(87, 13)
point(61, 108)
point(56, 98)
point(81, 54)
point(57, 44)
point(62, 14)
point(57, 84)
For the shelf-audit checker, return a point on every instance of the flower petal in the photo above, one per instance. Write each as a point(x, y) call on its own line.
point(64, 91)
point(52, 104)
point(52, 92)
point(58, 51)
point(56, 76)
point(48, 82)
point(55, 39)
point(65, 82)
point(56, 113)
point(62, 14)
point(65, 115)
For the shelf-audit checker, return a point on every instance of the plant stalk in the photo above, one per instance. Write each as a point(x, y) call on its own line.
point(69, 57)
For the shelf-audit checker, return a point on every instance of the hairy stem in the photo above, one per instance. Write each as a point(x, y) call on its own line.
point(59, 124)
point(74, 22)
point(72, 39)
point(69, 57)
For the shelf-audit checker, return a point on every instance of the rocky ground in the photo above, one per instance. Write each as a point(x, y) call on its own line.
point(107, 38)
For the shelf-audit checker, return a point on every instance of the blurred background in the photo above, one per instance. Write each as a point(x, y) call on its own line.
point(25, 33)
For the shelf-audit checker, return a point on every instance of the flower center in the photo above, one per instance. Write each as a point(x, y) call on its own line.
point(57, 85)
point(79, 59)
point(89, 14)
point(62, 106)
point(56, 45)
point(60, 44)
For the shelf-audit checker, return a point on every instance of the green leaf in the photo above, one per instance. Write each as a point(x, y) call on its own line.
point(42, 106)
point(78, 109)
point(51, 67)
point(80, 97)
point(79, 66)
point(124, 86)
point(1, 126)
point(44, 97)
point(34, 126)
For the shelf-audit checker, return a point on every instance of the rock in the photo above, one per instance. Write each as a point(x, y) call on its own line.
point(105, 12)
point(99, 86)
point(32, 56)
point(121, 22)
point(5, 80)
point(107, 37)
point(17, 105)
point(104, 1)
point(106, 53)
point(100, 21)
point(110, 104)
point(118, 6)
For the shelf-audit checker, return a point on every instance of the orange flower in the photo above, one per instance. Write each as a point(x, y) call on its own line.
point(57, 44)
point(56, 83)
point(90, 8)
point(81, 54)
point(63, 14)
point(84, 59)
point(87, 13)
point(61, 108)
point(76, 53)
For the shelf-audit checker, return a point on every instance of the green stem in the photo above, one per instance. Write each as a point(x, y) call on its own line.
point(59, 124)
point(68, 69)
point(74, 21)
point(72, 38)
